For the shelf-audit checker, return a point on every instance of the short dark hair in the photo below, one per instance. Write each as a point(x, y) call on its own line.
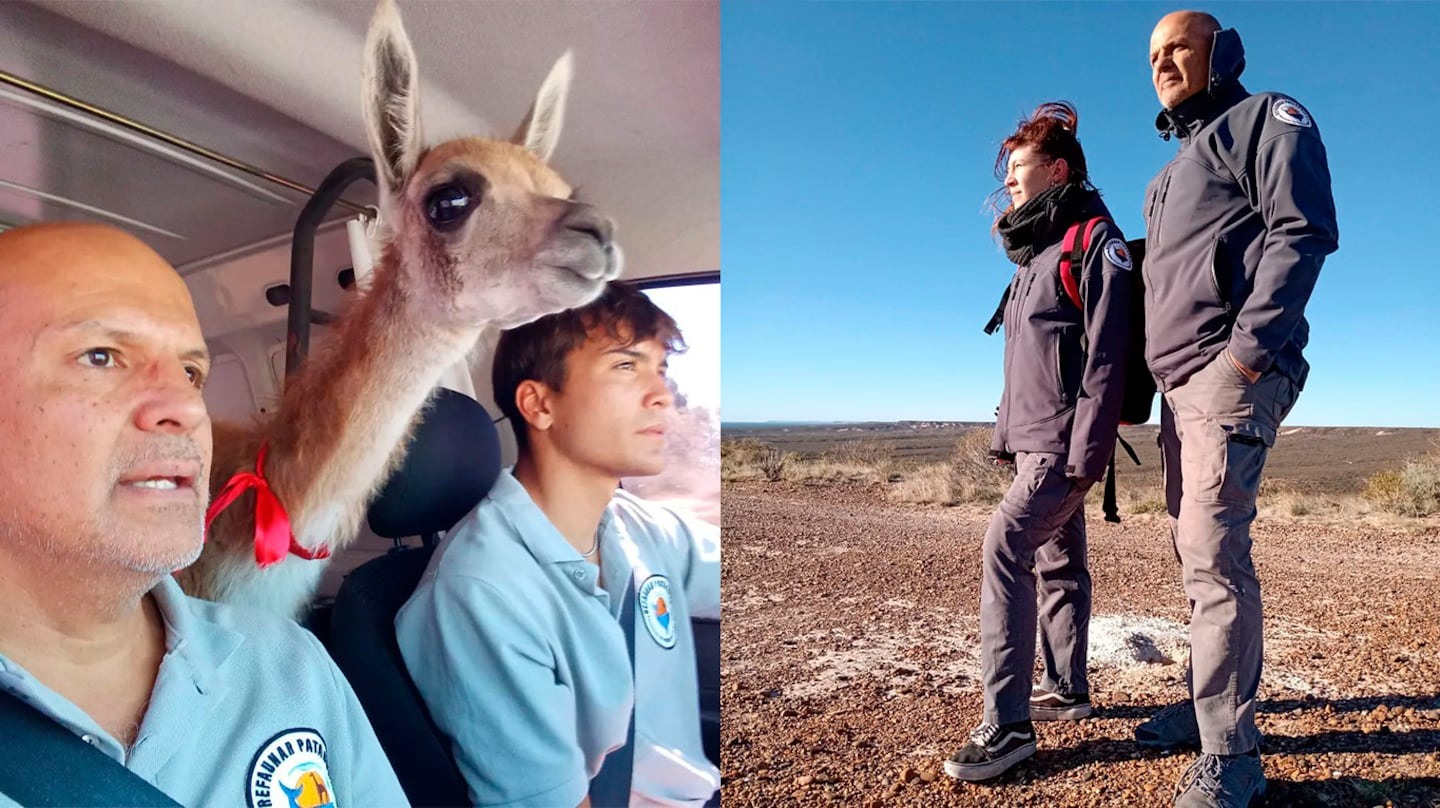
point(537, 351)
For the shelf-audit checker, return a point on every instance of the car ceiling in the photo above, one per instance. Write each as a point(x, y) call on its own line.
point(277, 85)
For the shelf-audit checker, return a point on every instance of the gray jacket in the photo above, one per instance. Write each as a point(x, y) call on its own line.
point(1236, 228)
point(1058, 397)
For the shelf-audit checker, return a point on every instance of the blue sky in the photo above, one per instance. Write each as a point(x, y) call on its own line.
point(858, 144)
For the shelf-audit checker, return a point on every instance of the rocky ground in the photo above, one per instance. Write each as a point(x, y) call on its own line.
point(850, 658)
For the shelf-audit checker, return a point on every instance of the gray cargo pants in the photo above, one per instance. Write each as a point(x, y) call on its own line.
point(1215, 431)
point(1034, 551)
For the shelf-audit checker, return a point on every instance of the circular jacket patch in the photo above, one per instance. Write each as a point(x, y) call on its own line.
point(1117, 253)
point(1287, 111)
point(290, 771)
point(653, 601)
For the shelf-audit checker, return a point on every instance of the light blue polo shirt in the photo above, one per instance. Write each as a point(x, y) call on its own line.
point(519, 654)
point(246, 709)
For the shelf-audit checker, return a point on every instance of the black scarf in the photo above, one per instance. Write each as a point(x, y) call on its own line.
point(1031, 227)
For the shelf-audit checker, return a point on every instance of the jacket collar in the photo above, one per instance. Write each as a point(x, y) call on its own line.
point(1197, 111)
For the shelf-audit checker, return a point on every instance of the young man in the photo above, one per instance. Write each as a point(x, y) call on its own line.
point(1237, 228)
point(513, 636)
point(103, 490)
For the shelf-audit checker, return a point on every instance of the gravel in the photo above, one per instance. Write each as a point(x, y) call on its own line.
point(851, 639)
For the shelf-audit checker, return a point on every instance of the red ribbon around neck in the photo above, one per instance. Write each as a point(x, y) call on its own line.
point(273, 537)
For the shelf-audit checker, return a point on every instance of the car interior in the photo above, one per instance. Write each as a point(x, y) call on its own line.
point(228, 136)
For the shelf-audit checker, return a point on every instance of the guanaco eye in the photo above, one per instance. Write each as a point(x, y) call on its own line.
point(447, 206)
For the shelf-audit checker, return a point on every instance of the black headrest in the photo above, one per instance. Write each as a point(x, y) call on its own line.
point(452, 461)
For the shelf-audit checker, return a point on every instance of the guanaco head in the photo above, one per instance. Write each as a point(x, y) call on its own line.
point(483, 231)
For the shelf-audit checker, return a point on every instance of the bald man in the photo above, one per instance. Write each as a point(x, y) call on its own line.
point(1237, 227)
point(106, 446)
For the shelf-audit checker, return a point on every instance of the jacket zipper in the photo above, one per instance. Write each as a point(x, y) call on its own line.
point(1060, 371)
point(1010, 321)
point(1159, 212)
point(1219, 254)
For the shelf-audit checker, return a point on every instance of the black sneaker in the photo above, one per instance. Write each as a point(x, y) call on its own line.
point(1174, 727)
point(993, 749)
point(1048, 706)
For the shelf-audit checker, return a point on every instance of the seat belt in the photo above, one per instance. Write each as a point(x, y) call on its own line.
point(611, 786)
point(44, 764)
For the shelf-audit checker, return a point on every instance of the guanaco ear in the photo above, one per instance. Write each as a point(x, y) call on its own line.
point(391, 103)
point(540, 131)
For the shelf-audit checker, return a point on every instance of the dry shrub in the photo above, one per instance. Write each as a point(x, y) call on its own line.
point(826, 469)
point(751, 459)
point(1412, 491)
point(974, 476)
point(742, 449)
point(1382, 488)
point(1280, 498)
point(970, 475)
point(1148, 505)
point(773, 463)
point(1294, 503)
point(874, 453)
point(866, 460)
point(925, 485)
point(1301, 505)
point(1142, 499)
point(745, 459)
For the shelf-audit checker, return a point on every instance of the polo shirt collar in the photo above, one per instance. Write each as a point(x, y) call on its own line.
point(533, 527)
point(203, 644)
point(188, 683)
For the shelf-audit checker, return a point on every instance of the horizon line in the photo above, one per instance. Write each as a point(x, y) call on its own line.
point(1152, 422)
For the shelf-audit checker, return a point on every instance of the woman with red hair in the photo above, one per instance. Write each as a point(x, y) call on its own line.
point(1067, 318)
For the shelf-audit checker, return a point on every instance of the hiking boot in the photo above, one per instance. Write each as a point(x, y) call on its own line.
point(1221, 781)
point(1046, 705)
point(1172, 728)
point(993, 749)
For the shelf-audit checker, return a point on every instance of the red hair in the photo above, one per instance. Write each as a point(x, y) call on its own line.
point(1050, 131)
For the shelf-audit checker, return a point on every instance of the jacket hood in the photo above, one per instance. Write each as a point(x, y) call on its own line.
point(1223, 89)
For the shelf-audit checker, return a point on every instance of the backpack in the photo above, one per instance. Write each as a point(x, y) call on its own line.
point(1138, 396)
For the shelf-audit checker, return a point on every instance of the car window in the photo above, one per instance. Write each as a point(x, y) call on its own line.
point(691, 480)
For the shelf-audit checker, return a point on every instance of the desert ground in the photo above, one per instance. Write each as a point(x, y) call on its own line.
point(1332, 460)
point(851, 638)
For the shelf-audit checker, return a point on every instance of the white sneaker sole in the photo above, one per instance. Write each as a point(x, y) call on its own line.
point(1073, 713)
point(989, 769)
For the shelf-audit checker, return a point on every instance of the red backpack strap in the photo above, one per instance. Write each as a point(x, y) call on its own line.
point(1068, 255)
point(1090, 228)
point(1072, 253)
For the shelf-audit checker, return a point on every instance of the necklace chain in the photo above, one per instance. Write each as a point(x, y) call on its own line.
point(593, 546)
